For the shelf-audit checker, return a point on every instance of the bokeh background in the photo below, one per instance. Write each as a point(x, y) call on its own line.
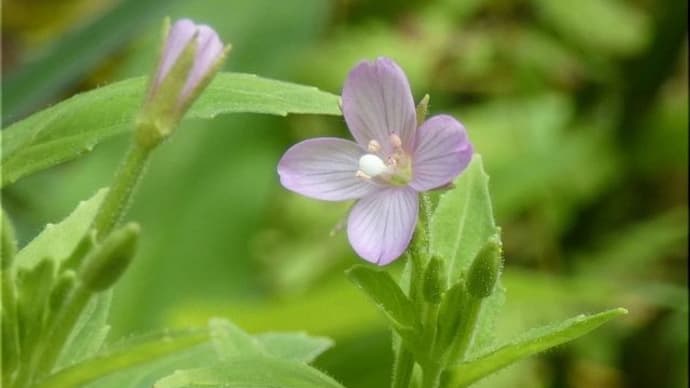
point(580, 110)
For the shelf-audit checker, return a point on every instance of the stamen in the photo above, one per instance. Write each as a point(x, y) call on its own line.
point(395, 140)
point(373, 146)
point(360, 174)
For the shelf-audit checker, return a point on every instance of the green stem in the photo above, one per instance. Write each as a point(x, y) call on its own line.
point(119, 196)
point(44, 356)
point(432, 376)
point(403, 365)
point(61, 329)
point(466, 331)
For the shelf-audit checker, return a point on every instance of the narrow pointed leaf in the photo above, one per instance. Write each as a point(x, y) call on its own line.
point(128, 358)
point(532, 342)
point(74, 126)
point(387, 295)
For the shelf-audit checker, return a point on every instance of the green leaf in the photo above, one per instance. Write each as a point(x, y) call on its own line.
point(532, 342)
point(388, 297)
point(128, 358)
point(74, 126)
point(462, 223)
point(463, 220)
point(251, 372)
point(89, 332)
point(231, 341)
point(298, 347)
point(57, 241)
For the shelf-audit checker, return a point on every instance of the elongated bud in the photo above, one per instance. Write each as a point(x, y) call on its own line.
point(109, 260)
point(433, 281)
point(9, 243)
point(485, 269)
point(191, 56)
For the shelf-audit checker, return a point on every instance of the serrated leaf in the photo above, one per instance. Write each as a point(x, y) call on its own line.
point(388, 297)
point(57, 241)
point(532, 342)
point(298, 347)
point(463, 220)
point(129, 358)
point(251, 372)
point(89, 332)
point(74, 126)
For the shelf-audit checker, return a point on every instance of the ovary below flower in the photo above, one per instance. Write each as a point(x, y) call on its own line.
point(390, 163)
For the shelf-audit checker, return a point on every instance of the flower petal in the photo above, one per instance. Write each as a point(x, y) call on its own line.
point(324, 168)
point(443, 151)
point(209, 51)
point(380, 226)
point(180, 34)
point(377, 102)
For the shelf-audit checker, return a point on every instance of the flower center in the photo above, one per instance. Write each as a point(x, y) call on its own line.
point(396, 170)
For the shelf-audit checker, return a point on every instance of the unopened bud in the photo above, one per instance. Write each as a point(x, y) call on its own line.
point(107, 262)
point(433, 286)
point(485, 268)
point(192, 54)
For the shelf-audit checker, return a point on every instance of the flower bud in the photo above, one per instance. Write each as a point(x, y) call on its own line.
point(433, 281)
point(485, 268)
point(192, 54)
point(107, 262)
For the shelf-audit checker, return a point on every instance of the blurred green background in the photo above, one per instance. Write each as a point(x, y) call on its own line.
point(580, 110)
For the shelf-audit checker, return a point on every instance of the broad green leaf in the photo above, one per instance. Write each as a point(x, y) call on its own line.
point(128, 358)
point(298, 347)
point(461, 224)
point(89, 332)
point(463, 220)
point(532, 342)
point(57, 241)
point(251, 372)
point(388, 297)
point(76, 125)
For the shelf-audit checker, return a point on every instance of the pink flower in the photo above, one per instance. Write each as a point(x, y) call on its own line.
point(391, 162)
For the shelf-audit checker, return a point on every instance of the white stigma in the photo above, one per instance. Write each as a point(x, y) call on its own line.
point(372, 165)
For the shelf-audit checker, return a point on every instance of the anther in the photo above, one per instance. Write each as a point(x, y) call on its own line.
point(360, 174)
point(373, 146)
point(395, 140)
